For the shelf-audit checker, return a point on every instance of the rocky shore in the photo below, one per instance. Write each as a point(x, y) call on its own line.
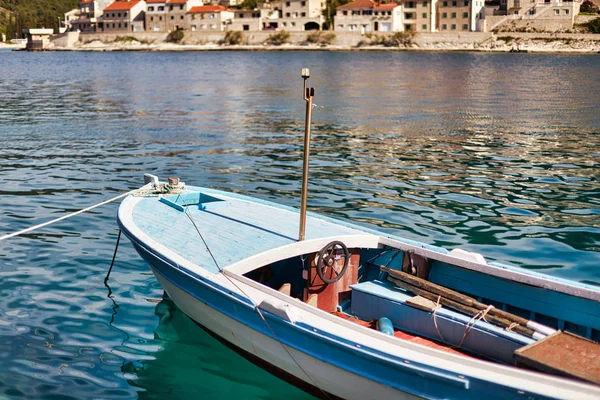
point(477, 41)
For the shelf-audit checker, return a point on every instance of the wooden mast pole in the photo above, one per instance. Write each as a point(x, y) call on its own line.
point(308, 97)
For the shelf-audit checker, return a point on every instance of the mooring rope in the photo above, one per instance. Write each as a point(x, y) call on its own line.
point(33, 228)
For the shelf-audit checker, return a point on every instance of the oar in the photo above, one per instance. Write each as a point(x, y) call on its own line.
point(460, 298)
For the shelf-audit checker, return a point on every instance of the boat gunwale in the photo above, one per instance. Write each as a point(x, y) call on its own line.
point(477, 369)
point(507, 272)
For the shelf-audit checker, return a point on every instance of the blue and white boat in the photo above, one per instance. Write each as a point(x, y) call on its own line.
point(337, 313)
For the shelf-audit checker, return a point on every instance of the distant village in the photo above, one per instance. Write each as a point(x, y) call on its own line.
point(361, 16)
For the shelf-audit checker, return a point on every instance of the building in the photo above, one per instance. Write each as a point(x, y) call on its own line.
point(302, 15)
point(209, 18)
point(371, 16)
point(156, 15)
point(124, 16)
point(535, 15)
point(37, 39)
point(88, 15)
point(177, 13)
point(265, 18)
point(459, 15)
point(368, 16)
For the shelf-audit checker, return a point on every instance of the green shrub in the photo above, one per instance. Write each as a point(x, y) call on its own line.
point(395, 39)
point(594, 26)
point(321, 38)
point(175, 36)
point(234, 37)
point(279, 38)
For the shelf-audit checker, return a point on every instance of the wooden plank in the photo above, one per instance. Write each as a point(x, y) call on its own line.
point(422, 303)
point(562, 354)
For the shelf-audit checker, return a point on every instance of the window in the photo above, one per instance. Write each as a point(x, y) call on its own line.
point(181, 17)
point(213, 26)
point(284, 24)
point(293, 24)
point(465, 27)
point(125, 25)
point(345, 12)
point(151, 18)
point(287, 15)
point(160, 18)
point(466, 3)
point(465, 15)
point(241, 15)
point(444, 15)
point(445, 4)
point(124, 14)
point(454, 4)
point(287, 3)
point(424, 27)
point(172, 17)
point(424, 15)
point(303, 3)
point(341, 26)
point(119, 15)
point(376, 13)
point(566, 12)
point(424, 4)
point(556, 12)
point(161, 8)
point(303, 14)
point(194, 28)
point(181, 7)
point(170, 8)
point(444, 27)
point(119, 24)
point(246, 27)
point(453, 15)
point(150, 8)
point(453, 27)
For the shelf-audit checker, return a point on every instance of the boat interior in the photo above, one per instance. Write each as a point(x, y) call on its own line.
point(455, 303)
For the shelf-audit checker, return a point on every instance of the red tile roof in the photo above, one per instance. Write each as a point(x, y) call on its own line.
point(367, 4)
point(86, 1)
point(122, 5)
point(207, 9)
point(386, 6)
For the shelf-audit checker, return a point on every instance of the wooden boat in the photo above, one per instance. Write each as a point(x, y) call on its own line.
point(307, 310)
point(347, 312)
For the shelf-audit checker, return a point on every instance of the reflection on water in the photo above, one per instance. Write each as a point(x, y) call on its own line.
point(496, 153)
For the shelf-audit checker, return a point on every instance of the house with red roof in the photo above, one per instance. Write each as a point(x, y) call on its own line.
point(124, 16)
point(209, 18)
point(374, 16)
point(368, 16)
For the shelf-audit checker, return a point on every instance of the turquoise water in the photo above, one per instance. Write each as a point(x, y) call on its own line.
point(496, 153)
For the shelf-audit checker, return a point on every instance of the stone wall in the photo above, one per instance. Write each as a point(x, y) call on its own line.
point(343, 40)
point(144, 37)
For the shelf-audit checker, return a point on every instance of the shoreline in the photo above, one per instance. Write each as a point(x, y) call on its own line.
point(487, 42)
point(112, 47)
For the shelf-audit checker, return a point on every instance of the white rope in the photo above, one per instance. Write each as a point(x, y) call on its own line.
point(8, 236)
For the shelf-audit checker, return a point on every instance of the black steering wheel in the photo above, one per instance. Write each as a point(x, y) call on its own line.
point(327, 259)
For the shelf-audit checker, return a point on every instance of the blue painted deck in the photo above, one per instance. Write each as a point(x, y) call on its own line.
point(234, 229)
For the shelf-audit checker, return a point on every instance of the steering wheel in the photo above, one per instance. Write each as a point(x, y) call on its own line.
point(327, 259)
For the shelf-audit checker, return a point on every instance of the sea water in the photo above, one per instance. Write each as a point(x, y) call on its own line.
point(494, 153)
